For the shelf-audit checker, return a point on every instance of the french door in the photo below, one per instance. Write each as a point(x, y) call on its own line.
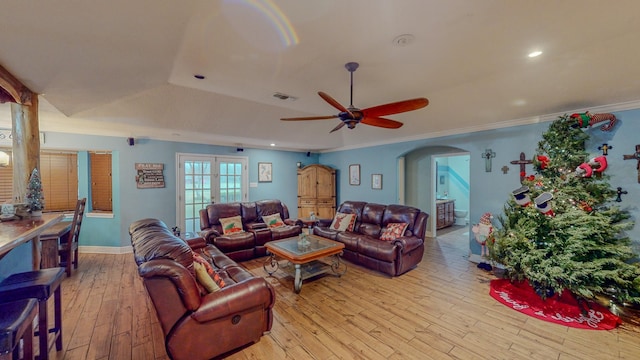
point(207, 179)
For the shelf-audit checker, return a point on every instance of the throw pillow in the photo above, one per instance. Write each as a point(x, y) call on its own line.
point(204, 278)
point(343, 222)
point(231, 225)
point(273, 221)
point(393, 231)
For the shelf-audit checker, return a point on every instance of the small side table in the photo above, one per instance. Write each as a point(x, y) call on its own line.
point(309, 223)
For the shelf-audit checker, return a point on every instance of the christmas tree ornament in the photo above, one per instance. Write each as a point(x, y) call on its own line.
point(585, 120)
point(542, 203)
point(521, 195)
point(543, 161)
point(584, 170)
point(585, 206)
point(600, 161)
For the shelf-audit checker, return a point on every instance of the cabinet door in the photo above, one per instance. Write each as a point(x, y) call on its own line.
point(307, 183)
point(304, 211)
point(325, 183)
point(326, 208)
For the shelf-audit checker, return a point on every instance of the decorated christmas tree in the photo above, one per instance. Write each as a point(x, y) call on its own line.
point(562, 230)
point(35, 196)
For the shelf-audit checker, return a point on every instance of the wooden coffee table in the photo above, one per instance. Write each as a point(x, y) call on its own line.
point(305, 257)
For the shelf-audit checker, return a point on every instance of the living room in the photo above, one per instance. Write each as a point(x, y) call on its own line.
point(405, 163)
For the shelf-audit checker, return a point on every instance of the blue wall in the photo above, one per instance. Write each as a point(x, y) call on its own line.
point(488, 190)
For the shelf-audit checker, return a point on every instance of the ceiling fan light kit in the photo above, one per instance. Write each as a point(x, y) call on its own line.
point(351, 116)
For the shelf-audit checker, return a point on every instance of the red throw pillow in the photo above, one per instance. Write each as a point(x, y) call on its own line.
point(393, 231)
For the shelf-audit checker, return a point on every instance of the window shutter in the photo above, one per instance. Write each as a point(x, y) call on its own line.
point(101, 182)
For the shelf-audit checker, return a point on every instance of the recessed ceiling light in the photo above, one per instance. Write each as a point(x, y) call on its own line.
point(272, 144)
point(535, 54)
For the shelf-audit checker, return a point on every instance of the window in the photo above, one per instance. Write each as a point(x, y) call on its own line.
point(59, 175)
point(101, 195)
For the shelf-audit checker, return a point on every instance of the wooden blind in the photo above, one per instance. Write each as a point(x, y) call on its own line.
point(6, 184)
point(100, 182)
point(59, 174)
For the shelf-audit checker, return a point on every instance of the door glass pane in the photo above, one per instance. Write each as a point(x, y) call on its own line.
point(197, 192)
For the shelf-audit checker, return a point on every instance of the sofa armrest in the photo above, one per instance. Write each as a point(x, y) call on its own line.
point(196, 243)
point(236, 298)
point(209, 234)
point(179, 276)
point(255, 226)
point(408, 243)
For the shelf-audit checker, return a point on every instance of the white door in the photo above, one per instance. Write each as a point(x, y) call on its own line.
point(206, 179)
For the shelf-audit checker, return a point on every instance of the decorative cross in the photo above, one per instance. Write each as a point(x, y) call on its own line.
point(522, 162)
point(620, 192)
point(605, 148)
point(487, 156)
point(635, 156)
point(505, 169)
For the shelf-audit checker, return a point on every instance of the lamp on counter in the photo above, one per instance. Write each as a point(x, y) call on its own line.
point(4, 159)
point(299, 164)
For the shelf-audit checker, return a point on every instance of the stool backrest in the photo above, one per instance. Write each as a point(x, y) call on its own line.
point(69, 250)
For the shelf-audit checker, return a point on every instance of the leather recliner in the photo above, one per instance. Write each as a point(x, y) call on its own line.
point(197, 324)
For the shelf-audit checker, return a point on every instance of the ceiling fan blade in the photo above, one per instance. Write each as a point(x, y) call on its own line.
point(310, 118)
point(333, 102)
point(337, 127)
point(396, 107)
point(381, 122)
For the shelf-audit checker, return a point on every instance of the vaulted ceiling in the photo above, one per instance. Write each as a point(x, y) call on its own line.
point(126, 67)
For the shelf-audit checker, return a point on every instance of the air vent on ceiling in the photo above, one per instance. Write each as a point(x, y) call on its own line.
point(282, 96)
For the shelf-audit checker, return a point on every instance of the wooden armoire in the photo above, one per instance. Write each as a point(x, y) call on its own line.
point(316, 191)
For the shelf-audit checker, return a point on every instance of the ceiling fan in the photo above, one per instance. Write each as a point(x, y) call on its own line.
point(351, 115)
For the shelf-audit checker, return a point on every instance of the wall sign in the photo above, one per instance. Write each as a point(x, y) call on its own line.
point(149, 175)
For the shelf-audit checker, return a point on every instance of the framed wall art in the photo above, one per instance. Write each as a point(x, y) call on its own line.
point(376, 181)
point(354, 174)
point(264, 172)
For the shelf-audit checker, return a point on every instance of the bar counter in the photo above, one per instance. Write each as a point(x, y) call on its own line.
point(17, 232)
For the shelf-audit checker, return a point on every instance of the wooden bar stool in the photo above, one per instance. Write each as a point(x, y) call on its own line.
point(39, 285)
point(16, 323)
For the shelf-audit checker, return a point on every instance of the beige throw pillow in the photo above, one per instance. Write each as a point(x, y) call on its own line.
point(231, 225)
point(273, 221)
point(343, 222)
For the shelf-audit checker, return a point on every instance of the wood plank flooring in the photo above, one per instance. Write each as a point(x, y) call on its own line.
point(440, 310)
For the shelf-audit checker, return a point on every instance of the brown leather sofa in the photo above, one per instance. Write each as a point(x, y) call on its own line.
point(363, 246)
point(250, 243)
point(197, 324)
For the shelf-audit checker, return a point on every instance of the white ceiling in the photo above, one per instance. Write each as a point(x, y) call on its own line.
point(126, 67)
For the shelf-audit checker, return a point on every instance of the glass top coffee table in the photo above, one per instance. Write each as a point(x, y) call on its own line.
point(305, 254)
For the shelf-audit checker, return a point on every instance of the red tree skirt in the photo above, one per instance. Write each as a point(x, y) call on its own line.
point(564, 309)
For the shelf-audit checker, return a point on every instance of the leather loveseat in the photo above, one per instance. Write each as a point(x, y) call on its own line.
point(249, 243)
point(363, 245)
point(198, 324)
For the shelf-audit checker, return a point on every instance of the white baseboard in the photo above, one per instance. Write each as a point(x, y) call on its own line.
point(105, 249)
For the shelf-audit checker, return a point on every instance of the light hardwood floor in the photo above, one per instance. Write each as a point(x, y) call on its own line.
point(440, 310)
